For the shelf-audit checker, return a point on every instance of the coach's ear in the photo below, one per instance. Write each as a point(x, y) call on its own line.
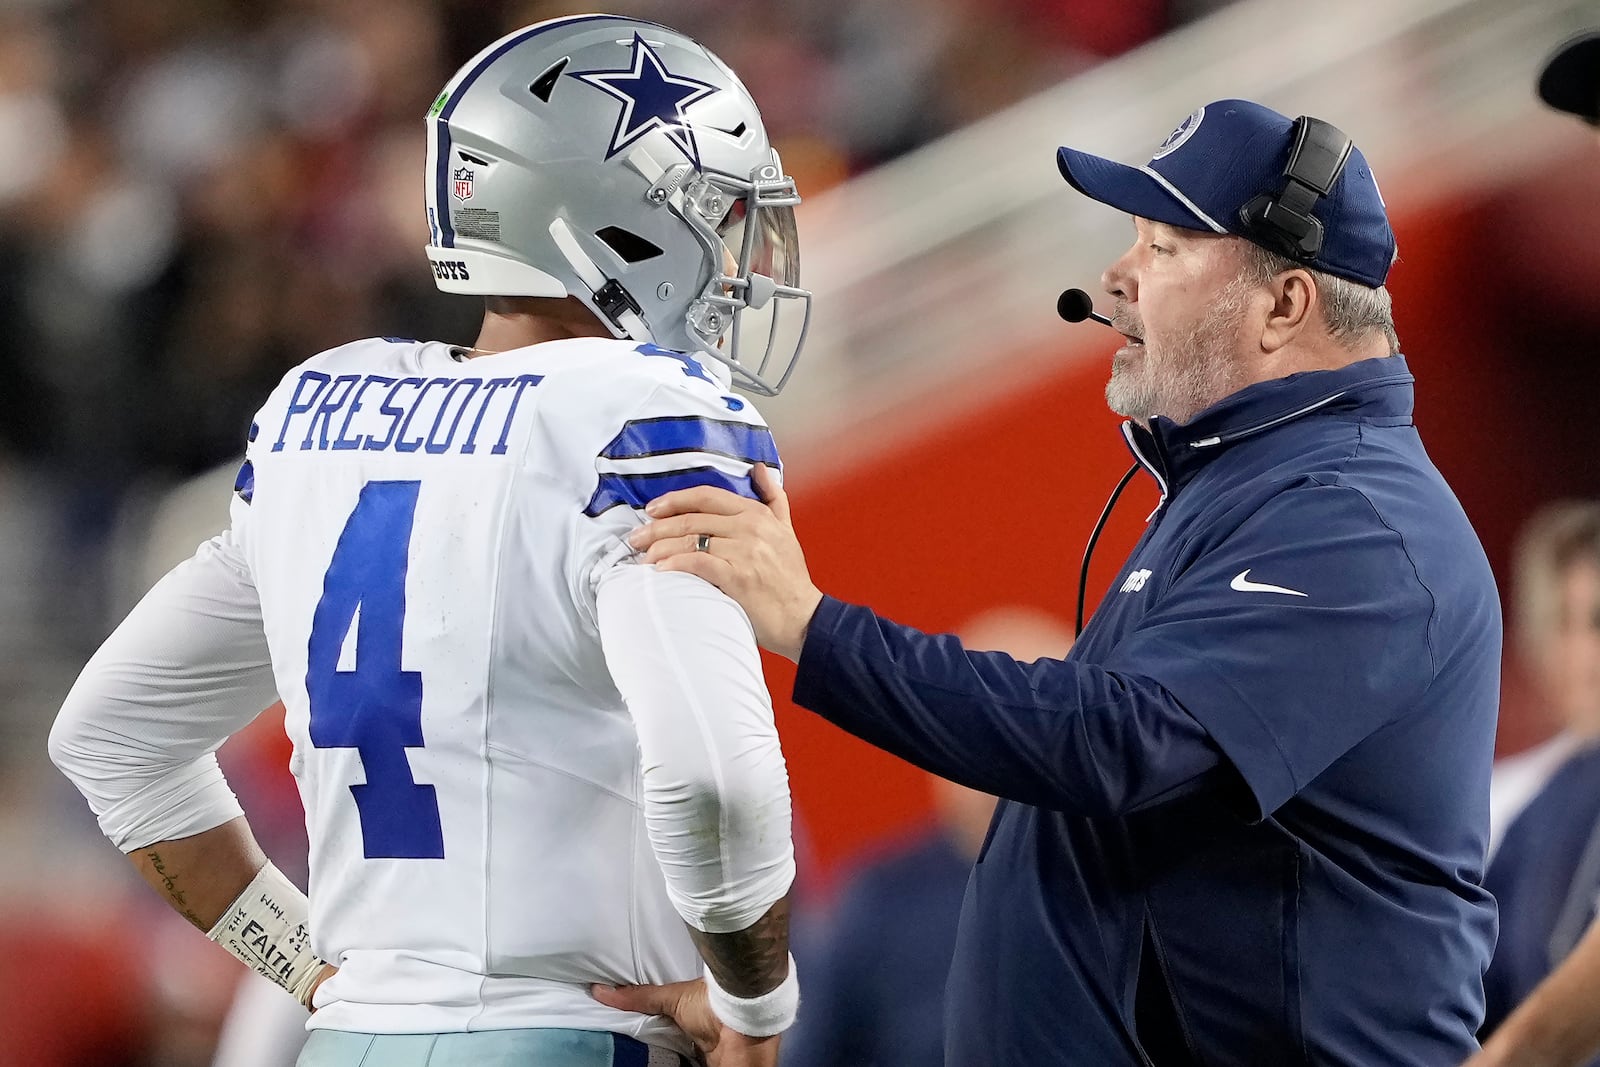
point(1294, 299)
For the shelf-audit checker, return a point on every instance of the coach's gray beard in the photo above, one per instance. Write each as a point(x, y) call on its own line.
point(1181, 379)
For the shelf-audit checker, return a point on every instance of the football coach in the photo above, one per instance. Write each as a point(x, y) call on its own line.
point(1243, 822)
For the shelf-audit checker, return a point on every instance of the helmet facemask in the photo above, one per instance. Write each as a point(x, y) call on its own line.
point(753, 318)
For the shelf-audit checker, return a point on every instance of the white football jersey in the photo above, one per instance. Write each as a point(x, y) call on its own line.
point(426, 534)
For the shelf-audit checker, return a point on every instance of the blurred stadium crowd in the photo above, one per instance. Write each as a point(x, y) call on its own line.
point(197, 194)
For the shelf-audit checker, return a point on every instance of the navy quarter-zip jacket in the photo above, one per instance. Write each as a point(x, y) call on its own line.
point(1243, 821)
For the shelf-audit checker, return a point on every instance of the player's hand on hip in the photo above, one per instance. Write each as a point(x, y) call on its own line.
point(746, 548)
point(328, 971)
point(686, 1004)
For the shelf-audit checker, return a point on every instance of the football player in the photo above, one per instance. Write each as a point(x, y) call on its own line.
point(531, 764)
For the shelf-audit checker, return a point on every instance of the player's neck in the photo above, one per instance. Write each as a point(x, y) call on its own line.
point(516, 322)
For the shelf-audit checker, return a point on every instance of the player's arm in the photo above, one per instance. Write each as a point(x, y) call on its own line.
point(138, 734)
point(199, 876)
point(716, 791)
point(749, 962)
point(1559, 1024)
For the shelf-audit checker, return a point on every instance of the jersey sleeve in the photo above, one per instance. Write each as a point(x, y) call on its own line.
point(140, 728)
point(677, 439)
point(683, 656)
point(716, 790)
point(678, 435)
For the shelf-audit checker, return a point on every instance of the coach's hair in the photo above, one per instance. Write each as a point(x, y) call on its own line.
point(1558, 536)
point(1352, 311)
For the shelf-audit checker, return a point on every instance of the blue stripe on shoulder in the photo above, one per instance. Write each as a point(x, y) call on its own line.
point(245, 484)
point(693, 433)
point(637, 490)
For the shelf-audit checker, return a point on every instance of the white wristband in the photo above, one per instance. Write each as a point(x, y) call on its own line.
point(771, 1013)
point(266, 928)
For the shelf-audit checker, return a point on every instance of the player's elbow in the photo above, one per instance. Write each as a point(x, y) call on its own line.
point(73, 743)
point(705, 813)
point(735, 887)
point(89, 744)
point(736, 903)
point(63, 744)
point(722, 838)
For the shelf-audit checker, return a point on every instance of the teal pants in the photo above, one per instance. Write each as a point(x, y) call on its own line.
point(484, 1048)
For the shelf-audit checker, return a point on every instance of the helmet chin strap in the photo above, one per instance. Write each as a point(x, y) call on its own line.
point(608, 298)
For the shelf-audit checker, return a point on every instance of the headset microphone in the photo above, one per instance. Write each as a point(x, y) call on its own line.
point(1074, 305)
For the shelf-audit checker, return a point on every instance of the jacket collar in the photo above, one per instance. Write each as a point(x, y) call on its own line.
point(1173, 453)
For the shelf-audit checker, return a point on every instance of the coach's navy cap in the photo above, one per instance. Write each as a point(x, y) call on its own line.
point(1222, 157)
point(1570, 80)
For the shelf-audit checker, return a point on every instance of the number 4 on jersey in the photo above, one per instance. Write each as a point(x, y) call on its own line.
point(376, 708)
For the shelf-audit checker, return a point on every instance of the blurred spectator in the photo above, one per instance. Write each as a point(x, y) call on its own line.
point(1546, 872)
point(1556, 560)
point(875, 978)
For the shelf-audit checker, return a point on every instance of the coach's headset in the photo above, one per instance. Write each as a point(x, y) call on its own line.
point(1281, 221)
point(1284, 222)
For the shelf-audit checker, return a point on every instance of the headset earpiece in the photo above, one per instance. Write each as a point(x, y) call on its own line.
point(1285, 222)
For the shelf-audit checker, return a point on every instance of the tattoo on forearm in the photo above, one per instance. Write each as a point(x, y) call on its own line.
point(169, 884)
point(751, 961)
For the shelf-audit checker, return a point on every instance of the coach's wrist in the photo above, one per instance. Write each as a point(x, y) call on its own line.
point(792, 639)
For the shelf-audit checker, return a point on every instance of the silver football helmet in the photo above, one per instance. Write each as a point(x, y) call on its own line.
point(620, 162)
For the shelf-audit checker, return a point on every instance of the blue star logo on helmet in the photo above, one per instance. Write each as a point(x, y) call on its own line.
point(653, 98)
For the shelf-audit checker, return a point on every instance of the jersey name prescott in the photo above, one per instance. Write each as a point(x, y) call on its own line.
point(446, 406)
point(425, 535)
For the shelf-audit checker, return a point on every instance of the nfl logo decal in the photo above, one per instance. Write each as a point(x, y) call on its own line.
point(463, 183)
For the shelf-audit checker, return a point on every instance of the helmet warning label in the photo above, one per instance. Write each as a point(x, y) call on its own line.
point(477, 223)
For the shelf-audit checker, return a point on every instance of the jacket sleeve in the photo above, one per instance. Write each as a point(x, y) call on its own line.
point(1221, 679)
point(1053, 733)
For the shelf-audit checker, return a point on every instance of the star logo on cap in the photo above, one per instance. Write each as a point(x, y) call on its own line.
point(653, 98)
point(1176, 138)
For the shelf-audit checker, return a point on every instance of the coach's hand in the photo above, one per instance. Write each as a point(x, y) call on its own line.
point(686, 1004)
point(750, 552)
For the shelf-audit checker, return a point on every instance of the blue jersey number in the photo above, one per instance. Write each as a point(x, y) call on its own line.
point(376, 708)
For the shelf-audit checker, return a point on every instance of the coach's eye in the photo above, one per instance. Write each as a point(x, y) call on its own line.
point(1160, 249)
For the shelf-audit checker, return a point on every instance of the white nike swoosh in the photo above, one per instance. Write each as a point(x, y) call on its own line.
point(1243, 585)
